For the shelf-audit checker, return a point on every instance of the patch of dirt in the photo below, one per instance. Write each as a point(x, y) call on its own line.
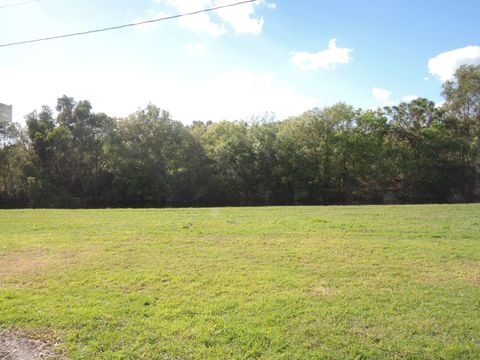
point(13, 347)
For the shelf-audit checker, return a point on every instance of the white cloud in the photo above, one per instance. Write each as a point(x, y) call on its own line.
point(326, 59)
point(242, 19)
point(444, 65)
point(426, 78)
point(196, 49)
point(381, 94)
point(271, 6)
point(409, 98)
point(201, 23)
point(236, 94)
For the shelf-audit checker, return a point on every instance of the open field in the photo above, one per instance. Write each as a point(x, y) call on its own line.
point(270, 283)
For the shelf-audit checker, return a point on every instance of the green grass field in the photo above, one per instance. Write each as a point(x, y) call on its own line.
point(270, 283)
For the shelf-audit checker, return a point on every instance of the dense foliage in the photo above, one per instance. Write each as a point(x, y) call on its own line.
point(410, 153)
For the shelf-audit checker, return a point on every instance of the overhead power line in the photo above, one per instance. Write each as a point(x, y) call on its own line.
point(18, 4)
point(126, 25)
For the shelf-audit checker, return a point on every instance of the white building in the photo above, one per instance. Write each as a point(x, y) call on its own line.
point(5, 113)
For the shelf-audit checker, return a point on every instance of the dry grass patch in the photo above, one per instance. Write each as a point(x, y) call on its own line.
point(321, 290)
point(27, 263)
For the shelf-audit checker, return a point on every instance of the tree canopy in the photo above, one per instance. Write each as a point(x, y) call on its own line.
point(414, 152)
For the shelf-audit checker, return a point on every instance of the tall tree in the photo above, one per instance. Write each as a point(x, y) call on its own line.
point(462, 97)
point(13, 158)
point(229, 146)
point(429, 155)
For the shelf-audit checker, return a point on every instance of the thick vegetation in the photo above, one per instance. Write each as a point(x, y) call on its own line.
point(410, 153)
point(390, 282)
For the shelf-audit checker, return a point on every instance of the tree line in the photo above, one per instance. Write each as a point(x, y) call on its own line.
point(415, 152)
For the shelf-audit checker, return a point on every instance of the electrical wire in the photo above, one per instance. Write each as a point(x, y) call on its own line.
point(126, 25)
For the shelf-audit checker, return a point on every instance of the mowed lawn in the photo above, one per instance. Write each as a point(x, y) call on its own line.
point(237, 283)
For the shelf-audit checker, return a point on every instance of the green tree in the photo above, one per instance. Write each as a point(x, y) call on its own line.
point(428, 155)
point(156, 161)
point(13, 158)
point(462, 97)
point(229, 146)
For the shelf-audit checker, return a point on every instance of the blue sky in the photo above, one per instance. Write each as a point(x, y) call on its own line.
point(274, 55)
